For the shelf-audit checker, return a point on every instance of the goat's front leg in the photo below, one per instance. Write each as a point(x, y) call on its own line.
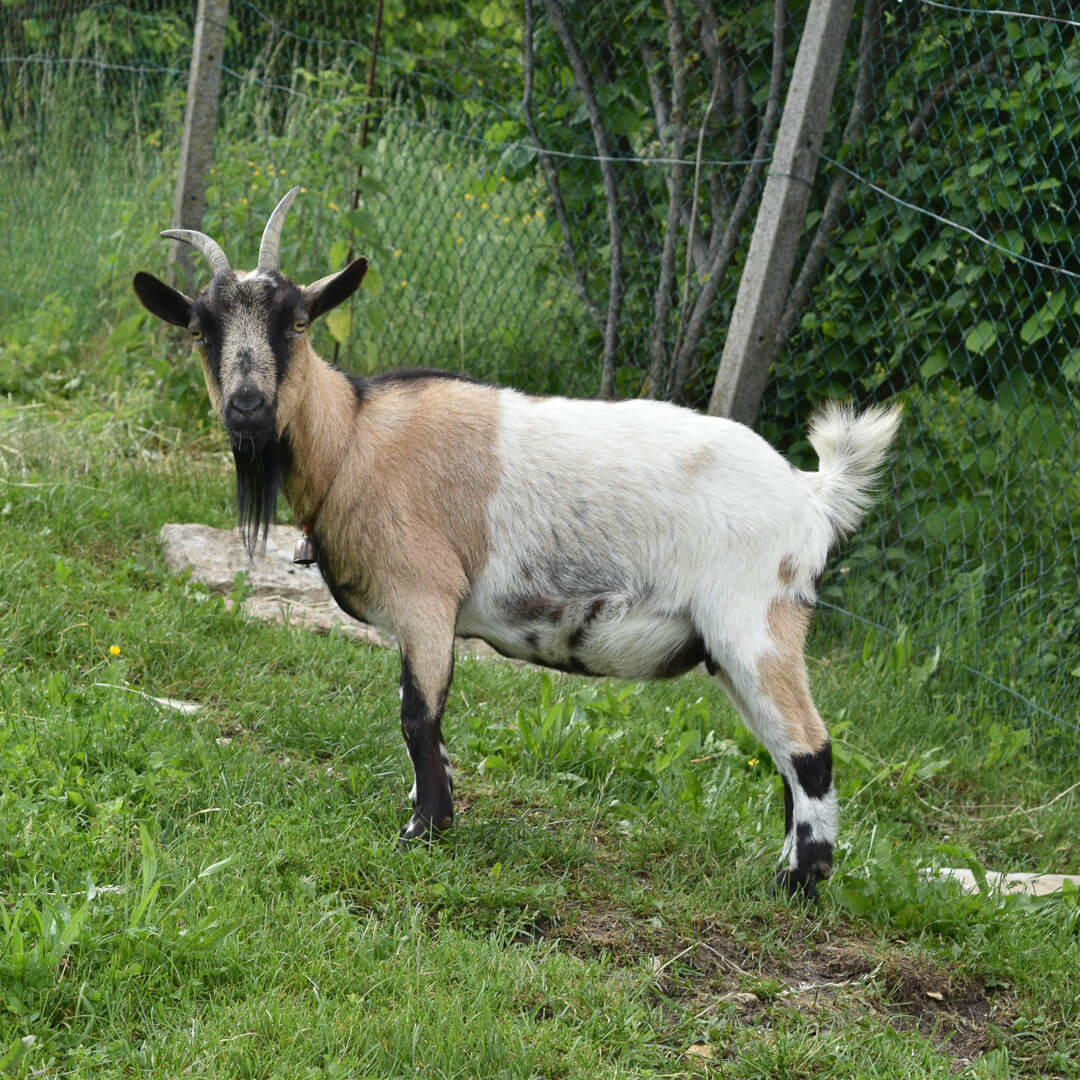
point(427, 665)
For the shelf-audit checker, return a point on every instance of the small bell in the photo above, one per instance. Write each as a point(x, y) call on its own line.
point(306, 551)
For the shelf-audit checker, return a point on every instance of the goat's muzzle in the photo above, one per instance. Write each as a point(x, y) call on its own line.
point(249, 418)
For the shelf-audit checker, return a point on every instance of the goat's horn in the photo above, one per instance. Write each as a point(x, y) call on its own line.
point(270, 245)
point(204, 245)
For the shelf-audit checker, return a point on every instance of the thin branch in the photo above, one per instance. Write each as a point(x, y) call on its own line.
point(656, 95)
point(692, 230)
point(686, 361)
point(592, 108)
point(665, 286)
point(919, 125)
point(551, 175)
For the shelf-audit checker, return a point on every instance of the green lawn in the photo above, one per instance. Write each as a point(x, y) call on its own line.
point(220, 894)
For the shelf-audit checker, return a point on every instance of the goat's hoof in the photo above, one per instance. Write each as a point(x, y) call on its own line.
point(799, 884)
point(422, 829)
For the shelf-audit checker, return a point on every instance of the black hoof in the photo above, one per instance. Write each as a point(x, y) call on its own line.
point(799, 884)
point(422, 829)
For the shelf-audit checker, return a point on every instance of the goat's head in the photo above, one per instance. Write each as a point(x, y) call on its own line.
point(251, 328)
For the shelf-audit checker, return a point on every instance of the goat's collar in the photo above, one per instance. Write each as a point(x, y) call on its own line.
point(307, 547)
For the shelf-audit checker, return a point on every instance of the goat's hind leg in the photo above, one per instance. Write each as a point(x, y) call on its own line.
point(427, 666)
point(772, 692)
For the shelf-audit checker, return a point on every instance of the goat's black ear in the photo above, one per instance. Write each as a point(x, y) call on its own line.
point(326, 293)
point(162, 300)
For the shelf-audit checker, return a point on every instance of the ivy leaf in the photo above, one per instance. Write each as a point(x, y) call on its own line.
point(1044, 320)
point(492, 16)
point(980, 339)
point(339, 323)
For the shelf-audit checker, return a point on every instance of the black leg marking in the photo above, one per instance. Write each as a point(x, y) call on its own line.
point(809, 810)
point(421, 726)
point(814, 771)
point(813, 864)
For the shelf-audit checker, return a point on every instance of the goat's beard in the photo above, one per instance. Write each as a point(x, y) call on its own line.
point(258, 478)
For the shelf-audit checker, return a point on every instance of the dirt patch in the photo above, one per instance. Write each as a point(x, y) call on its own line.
point(815, 972)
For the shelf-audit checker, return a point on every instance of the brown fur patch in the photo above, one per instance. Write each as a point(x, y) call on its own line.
point(786, 571)
point(783, 676)
point(698, 462)
point(401, 481)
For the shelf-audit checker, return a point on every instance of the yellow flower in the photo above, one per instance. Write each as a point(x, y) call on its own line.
point(333, 206)
point(457, 216)
point(460, 239)
point(483, 206)
point(752, 762)
point(506, 220)
point(468, 196)
point(397, 253)
point(114, 650)
point(404, 283)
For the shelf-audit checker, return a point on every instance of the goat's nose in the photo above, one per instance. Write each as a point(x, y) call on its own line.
point(247, 400)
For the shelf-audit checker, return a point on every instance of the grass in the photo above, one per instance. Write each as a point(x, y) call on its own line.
point(219, 894)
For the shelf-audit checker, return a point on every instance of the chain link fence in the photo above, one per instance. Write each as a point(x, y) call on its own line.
point(559, 194)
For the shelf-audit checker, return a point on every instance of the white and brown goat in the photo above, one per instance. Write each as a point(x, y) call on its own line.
point(631, 539)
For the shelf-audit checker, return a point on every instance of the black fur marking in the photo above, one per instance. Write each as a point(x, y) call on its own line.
point(814, 771)
point(407, 375)
point(576, 637)
point(532, 641)
point(711, 666)
point(813, 863)
point(688, 655)
point(594, 609)
point(531, 607)
point(162, 300)
point(420, 724)
point(343, 593)
point(812, 857)
point(205, 315)
point(789, 807)
point(258, 478)
point(336, 289)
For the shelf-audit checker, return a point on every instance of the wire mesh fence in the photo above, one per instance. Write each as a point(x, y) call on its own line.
point(556, 194)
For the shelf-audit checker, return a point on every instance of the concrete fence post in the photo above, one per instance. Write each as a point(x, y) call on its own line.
point(752, 345)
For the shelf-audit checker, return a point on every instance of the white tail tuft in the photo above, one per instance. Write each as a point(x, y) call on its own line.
point(851, 449)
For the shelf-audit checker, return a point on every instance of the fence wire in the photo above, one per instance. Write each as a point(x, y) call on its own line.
point(557, 192)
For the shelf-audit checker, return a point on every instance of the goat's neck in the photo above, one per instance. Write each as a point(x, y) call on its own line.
point(319, 434)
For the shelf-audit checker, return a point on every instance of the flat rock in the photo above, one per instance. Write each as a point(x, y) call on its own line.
point(276, 588)
point(997, 881)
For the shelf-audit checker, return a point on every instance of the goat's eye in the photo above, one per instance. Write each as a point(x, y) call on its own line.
point(196, 333)
point(299, 326)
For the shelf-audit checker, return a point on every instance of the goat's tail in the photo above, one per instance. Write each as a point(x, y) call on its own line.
point(851, 449)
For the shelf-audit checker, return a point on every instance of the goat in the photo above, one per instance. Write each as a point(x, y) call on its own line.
point(633, 539)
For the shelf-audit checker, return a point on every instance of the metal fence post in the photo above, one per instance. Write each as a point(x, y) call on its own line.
point(752, 344)
point(197, 148)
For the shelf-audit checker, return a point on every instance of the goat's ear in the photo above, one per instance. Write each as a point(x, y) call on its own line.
point(162, 300)
point(326, 293)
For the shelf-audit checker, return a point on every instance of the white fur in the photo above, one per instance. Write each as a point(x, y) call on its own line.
point(678, 521)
